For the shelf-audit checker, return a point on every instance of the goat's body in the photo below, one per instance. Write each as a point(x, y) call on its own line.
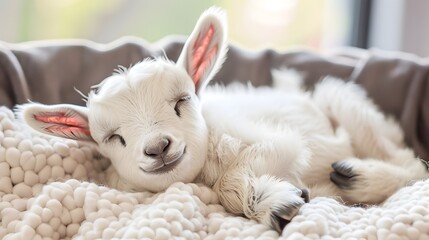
point(284, 122)
point(296, 136)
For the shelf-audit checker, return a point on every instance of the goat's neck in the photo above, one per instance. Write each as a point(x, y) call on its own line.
point(115, 181)
point(221, 153)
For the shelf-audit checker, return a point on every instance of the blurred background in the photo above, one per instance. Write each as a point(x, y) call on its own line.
point(253, 24)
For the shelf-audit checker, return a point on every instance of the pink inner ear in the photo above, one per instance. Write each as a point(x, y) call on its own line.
point(67, 130)
point(203, 54)
point(63, 123)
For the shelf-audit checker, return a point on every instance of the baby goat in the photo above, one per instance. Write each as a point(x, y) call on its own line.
point(258, 148)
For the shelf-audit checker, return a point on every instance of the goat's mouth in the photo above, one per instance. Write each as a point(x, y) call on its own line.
point(166, 166)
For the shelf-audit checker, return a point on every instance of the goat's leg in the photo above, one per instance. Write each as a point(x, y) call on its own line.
point(265, 199)
point(372, 181)
point(382, 163)
point(257, 181)
point(372, 135)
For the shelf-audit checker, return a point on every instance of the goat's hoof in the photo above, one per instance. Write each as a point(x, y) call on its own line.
point(364, 181)
point(343, 175)
point(281, 217)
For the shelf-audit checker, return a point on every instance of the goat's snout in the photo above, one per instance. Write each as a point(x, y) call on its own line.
point(165, 150)
point(158, 148)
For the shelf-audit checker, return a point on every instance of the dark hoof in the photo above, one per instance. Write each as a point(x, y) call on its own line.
point(343, 175)
point(305, 195)
point(281, 217)
point(279, 223)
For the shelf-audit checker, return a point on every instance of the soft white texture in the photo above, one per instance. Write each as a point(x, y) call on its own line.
point(76, 208)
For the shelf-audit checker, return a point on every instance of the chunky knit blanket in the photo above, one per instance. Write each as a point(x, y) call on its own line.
point(52, 188)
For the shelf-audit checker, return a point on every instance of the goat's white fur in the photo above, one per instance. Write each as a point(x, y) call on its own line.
point(257, 147)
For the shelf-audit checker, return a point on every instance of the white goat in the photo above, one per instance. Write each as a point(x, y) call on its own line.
point(258, 148)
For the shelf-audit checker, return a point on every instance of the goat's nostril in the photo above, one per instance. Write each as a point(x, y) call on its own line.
point(165, 143)
point(156, 149)
point(149, 153)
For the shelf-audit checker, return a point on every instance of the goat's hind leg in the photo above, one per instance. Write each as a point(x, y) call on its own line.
point(372, 134)
point(382, 164)
point(372, 181)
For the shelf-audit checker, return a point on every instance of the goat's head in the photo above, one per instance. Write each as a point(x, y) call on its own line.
point(147, 119)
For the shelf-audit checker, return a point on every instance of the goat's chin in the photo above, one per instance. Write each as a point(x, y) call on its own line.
point(184, 171)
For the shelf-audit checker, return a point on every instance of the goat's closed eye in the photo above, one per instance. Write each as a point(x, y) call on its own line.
point(179, 103)
point(117, 137)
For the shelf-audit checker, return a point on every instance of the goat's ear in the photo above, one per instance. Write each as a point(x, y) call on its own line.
point(204, 52)
point(62, 120)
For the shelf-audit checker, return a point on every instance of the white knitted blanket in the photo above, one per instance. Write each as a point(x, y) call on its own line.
point(51, 188)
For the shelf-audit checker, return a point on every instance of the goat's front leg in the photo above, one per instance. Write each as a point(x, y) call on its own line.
point(265, 199)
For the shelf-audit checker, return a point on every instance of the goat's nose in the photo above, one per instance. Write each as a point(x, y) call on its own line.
point(157, 147)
